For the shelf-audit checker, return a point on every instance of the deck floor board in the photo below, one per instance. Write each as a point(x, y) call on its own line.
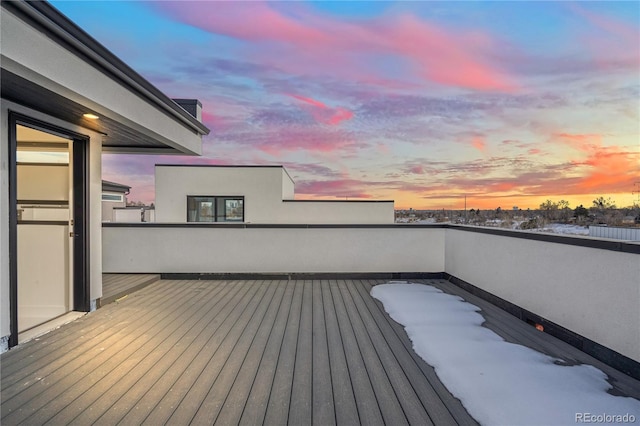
point(244, 352)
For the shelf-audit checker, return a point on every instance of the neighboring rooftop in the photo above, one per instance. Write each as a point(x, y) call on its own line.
point(252, 194)
point(114, 187)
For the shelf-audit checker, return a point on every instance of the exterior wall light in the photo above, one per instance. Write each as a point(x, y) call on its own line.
point(90, 116)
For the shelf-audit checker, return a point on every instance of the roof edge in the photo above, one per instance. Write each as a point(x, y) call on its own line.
point(74, 38)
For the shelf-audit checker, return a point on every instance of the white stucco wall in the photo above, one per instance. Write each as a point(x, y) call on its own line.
point(272, 250)
point(260, 186)
point(95, 199)
point(108, 206)
point(288, 186)
point(593, 292)
point(264, 189)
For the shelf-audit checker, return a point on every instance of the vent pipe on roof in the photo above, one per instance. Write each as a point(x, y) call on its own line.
point(192, 106)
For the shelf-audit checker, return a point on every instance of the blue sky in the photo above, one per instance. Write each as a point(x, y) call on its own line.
point(510, 103)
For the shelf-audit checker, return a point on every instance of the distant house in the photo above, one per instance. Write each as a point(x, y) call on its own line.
point(114, 195)
point(252, 194)
point(65, 100)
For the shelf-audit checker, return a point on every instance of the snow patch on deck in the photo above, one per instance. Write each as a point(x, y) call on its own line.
point(499, 383)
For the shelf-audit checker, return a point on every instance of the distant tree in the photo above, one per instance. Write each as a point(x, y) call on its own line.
point(564, 210)
point(601, 203)
point(580, 211)
point(498, 213)
point(549, 209)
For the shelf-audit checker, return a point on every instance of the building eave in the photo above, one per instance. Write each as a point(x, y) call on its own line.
point(47, 18)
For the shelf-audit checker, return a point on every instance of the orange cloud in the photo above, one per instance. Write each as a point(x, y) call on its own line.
point(581, 142)
point(611, 169)
point(478, 143)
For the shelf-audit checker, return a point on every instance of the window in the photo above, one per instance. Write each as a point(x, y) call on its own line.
point(215, 209)
point(112, 197)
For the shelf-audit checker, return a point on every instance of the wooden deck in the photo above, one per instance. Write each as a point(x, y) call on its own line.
point(242, 352)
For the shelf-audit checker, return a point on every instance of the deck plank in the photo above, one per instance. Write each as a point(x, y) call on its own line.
point(346, 411)
point(152, 395)
point(256, 404)
point(366, 401)
point(385, 393)
point(124, 392)
point(91, 405)
point(323, 408)
point(225, 401)
point(277, 412)
point(181, 403)
point(300, 410)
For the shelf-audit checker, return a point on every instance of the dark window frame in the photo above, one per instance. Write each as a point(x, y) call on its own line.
point(215, 214)
point(81, 214)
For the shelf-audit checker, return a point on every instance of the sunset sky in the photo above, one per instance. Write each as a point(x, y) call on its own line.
point(510, 103)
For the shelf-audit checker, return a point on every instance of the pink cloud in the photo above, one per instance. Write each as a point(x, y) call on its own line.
point(339, 188)
point(277, 141)
point(445, 57)
point(309, 101)
point(314, 44)
point(417, 169)
point(324, 114)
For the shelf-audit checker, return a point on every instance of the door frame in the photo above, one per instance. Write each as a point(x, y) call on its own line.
point(79, 162)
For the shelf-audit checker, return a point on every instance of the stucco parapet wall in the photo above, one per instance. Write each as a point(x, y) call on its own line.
point(581, 241)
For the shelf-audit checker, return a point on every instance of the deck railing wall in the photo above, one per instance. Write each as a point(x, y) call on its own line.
point(594, 292)
point(162, 248)
point(588, 286)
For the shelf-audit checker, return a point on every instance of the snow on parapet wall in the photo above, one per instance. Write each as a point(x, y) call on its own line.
point(498, 382)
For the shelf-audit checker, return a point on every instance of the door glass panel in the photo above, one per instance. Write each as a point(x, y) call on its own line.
point(43, 237)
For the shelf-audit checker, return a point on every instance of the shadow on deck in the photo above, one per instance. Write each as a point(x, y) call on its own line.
point(115, 286)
